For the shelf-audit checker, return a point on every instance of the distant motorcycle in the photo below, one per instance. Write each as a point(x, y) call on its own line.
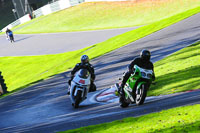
point(135, 89)
point(10, 36)
point(79, 87)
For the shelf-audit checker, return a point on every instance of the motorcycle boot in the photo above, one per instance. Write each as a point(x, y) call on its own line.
point(92, 87)
point(121, 90)
point(68, 90)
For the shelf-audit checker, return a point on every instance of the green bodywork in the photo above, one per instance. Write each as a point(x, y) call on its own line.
point(129, 88)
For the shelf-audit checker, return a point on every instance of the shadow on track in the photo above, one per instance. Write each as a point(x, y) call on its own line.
point(18, 40)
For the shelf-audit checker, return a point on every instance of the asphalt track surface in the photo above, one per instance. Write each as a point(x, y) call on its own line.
point(45, 107)
point(41, 44)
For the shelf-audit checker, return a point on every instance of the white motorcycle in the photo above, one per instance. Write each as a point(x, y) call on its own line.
point(80, 87)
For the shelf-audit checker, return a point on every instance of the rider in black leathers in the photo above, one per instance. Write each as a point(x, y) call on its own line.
point(84, 64)
point(143, 61)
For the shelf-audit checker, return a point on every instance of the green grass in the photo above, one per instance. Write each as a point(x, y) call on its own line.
point(178, 72)
point(22, 71)
point(178, 120)
point(107, 15)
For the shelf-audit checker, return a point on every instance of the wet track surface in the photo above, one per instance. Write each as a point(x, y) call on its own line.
point(45, 107)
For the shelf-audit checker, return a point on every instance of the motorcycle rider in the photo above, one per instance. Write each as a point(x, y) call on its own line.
point(9, 33)
point(84, 65)
point(143, 61)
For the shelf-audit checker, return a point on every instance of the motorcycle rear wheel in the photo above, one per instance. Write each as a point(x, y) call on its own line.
point(142, 95)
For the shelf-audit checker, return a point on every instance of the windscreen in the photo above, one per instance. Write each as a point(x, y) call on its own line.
point(84, 73)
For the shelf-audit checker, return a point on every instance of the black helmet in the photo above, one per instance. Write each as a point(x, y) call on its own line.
point(84, 59)
point(145, 54)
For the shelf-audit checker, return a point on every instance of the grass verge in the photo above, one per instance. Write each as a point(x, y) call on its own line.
point(178, 72)
point(22, 71)
point(177, 120)
point(107, 15)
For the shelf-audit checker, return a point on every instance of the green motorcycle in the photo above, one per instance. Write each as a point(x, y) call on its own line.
point(135, 89)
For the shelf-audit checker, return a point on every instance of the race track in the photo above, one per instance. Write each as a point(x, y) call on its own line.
point(41, 44)
point(45, 107)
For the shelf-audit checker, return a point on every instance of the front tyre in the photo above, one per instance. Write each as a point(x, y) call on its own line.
point(77, 99)
point(141, 94)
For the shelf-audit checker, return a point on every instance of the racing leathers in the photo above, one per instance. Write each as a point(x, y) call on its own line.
point(146, 64)
point(9, 34)
point(87, 66)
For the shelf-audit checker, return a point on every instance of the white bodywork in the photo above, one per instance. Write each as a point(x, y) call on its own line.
point(81, 84)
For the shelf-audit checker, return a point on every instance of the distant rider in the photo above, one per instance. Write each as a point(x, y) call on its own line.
point(9, 34)
point(83, 65)
point(143, 61)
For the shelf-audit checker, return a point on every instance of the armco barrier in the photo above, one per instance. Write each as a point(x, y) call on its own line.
point(21, 20)
point(50, 8)
point(37, 13)
point(102, 0)
point(45, 10)
point(55, 6)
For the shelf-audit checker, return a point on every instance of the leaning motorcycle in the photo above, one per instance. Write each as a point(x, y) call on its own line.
point(79, 87)
point(136, 87)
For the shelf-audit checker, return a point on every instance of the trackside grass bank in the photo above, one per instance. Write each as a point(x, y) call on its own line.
point(107, 15)
point(175, 73)
point(178, 120)
point(178, 72)
point(22, 71)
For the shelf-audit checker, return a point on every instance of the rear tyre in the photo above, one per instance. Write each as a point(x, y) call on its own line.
point(77, 99)
point(141, 95)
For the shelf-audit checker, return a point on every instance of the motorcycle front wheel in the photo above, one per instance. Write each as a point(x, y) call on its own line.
point(77, 99)
point(141, 94)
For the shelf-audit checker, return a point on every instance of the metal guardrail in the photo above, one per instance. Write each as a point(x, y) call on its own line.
point(75, 2)
point(15, 23)
point(37, 13)
point(50, 8)
point(55, 6)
